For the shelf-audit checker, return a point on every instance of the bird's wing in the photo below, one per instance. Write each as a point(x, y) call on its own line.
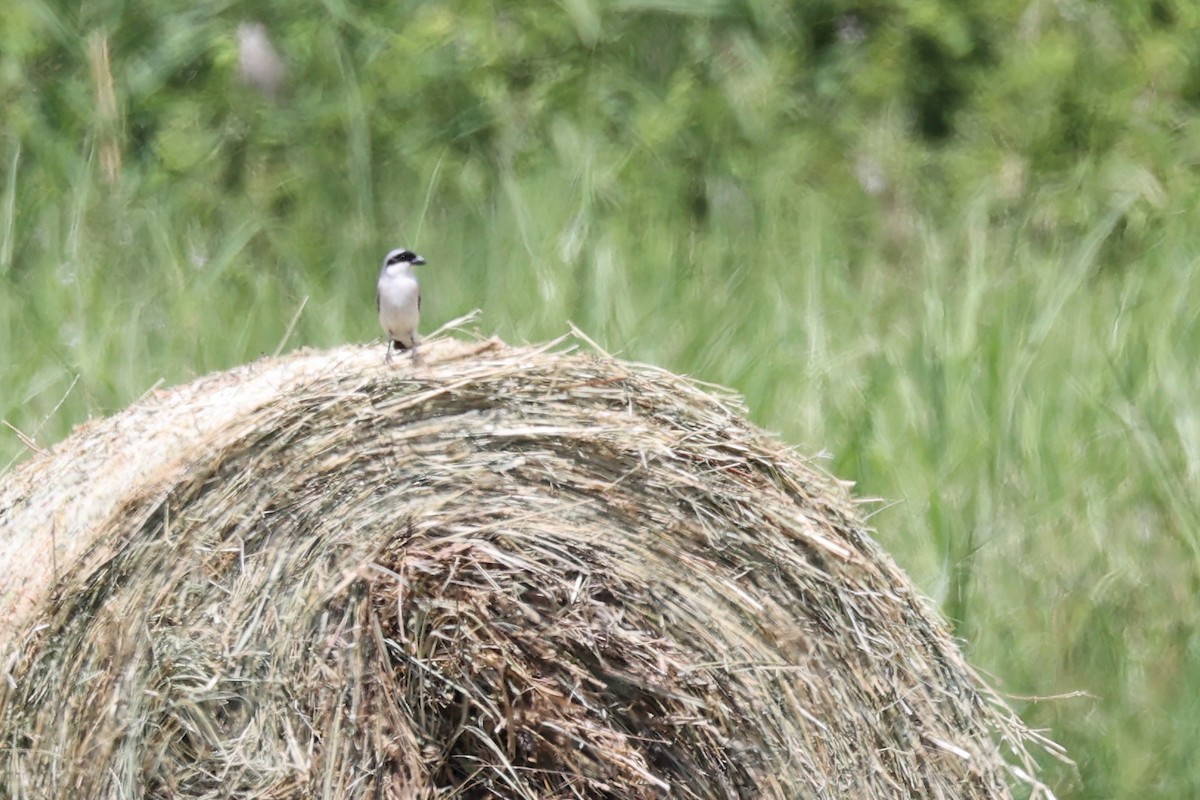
point(418, 299)
point(376, 301)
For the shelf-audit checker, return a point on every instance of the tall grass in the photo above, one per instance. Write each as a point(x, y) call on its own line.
point(1025, 416)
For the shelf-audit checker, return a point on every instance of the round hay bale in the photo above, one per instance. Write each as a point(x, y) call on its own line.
point(508, 572)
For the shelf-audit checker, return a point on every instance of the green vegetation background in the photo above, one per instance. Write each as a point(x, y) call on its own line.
point(950, 246)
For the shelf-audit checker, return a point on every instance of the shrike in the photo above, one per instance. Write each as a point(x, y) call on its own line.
point(398, 300)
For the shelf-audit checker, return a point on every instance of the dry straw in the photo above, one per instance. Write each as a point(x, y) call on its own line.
point(506, 572)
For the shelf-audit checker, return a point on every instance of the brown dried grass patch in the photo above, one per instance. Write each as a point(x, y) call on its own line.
point(509, 572)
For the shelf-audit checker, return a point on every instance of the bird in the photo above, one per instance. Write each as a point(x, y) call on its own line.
point(398, 301)
point(259, 62)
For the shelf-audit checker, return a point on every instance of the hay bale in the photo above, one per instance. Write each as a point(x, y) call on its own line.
point(509, 572)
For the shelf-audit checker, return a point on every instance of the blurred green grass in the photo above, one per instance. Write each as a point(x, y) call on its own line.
point(995, 336)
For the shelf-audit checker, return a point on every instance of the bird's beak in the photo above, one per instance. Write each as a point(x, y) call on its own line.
point(418, 261)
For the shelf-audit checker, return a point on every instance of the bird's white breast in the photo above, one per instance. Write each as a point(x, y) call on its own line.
point(398, 309)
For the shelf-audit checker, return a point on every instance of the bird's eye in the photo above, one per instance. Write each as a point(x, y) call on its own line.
point(401, 256)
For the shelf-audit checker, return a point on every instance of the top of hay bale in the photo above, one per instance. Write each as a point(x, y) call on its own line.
point(508, 572)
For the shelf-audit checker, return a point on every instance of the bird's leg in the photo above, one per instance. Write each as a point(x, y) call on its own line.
point(416, 357)
point(387, 359)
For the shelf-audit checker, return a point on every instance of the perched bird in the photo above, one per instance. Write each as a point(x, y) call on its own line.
point(258, 61)
point(398, 300)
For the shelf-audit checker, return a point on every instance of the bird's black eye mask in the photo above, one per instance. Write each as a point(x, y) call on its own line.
point(404, 255)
